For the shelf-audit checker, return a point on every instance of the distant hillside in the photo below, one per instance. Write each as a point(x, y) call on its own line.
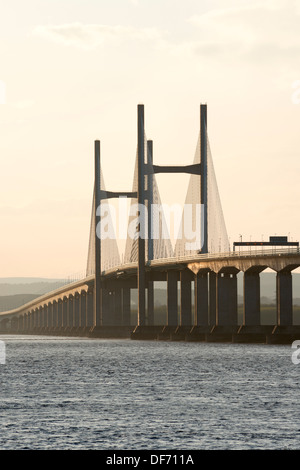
point(9, 302)
point(26, 280)
point(17, 291)
point(38, 286)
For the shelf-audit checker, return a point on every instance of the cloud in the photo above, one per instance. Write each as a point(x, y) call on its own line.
point(261, 30)
point(92, 35)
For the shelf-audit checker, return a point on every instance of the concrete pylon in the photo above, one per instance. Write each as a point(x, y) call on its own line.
point(126, 305)
point(201, 315)
point(212, 298)
point(97, 312)
point(226, 312)
point(251, 310)
point(185, 298)
point(203, 163)
point(172, 298)
point(284, 298)
point(141, 202)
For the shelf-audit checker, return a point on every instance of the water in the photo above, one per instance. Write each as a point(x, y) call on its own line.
point(70, 393)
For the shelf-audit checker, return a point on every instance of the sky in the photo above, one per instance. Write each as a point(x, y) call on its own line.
point(74, 71)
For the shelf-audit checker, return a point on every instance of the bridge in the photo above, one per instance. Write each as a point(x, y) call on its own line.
point(200, 270)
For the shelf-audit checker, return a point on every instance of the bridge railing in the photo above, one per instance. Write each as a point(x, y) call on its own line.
point(204, 256)
point(230, 254)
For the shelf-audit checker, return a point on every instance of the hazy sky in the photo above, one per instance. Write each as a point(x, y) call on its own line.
point(73, 71)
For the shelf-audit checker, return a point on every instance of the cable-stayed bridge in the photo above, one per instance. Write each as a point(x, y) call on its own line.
point(199, 268)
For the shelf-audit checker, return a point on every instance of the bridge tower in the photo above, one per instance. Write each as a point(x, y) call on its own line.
point(203, 166)
point(144, 247)
point(97, 314)
point(146, 171)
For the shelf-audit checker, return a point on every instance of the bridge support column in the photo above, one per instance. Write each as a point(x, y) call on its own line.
point(201, 299)
point(251, 314)
point(60, 313)
point(82, 309)
point(30, 321)
point(150, 303)
point(106, 307)
point(284, 298)
point(76, 310)
point(90, 308)
point(34, 319)
point(185, 298)
point(70, 310)
point(226, 299)
point(55, 314)
point(65, 312)
point(50, 315)
point(172, 298)
point(212, 298)
point(41, 317)
point(24, 322)
point(33, 316)
point(126, 305)
point(45, 315)
point(117, 305)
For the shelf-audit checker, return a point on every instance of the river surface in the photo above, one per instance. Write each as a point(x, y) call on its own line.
point(71, 393)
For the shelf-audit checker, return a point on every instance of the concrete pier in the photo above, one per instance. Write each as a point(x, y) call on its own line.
point(89, 308)
point(201, 315)
point(117, 307)
point(185, 298)
point(172, 298)
point(150, 303)
point(284, 298)
point(226, 299)
point(251, 312)
point(212, 298)
point(82, 309)
point(126, 306)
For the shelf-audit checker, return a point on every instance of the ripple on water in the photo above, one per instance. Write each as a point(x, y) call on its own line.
point(117, 394)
